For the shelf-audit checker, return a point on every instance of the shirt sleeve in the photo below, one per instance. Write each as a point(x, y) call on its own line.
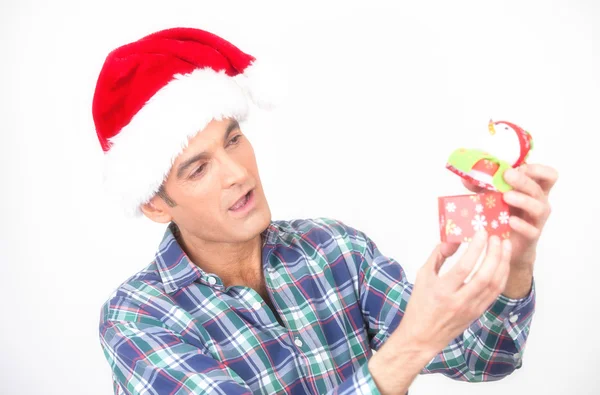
point(360, 383)
point(489, 349)
point(148, 359)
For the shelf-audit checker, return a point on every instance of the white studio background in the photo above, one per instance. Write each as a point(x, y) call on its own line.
point(379, 95)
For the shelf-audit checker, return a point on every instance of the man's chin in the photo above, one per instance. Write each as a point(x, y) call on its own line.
point(251, 225)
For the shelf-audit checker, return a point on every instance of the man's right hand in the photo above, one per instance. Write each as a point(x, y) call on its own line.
point(440, 309)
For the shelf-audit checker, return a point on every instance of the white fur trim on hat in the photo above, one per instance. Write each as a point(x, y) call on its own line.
point(142, 153)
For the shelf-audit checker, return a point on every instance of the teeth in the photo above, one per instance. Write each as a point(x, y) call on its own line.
point(241, 203)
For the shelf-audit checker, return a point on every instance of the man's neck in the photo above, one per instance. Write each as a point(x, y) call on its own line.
point(234, 263)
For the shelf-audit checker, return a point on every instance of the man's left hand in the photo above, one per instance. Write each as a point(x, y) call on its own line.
point(530, 209)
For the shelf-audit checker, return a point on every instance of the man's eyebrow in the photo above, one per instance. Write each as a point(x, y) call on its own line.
point(233, 125)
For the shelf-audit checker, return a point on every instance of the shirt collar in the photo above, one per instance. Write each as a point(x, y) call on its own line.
point(177, 270)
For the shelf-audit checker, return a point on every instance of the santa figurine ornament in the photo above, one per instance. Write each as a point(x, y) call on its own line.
point(463, 215)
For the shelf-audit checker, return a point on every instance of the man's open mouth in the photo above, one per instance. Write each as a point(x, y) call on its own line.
point(241, 203)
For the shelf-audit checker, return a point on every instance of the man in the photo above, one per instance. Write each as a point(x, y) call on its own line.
point(236, 303)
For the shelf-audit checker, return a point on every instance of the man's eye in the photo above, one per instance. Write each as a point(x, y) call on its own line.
point(199, 170)
point(235, 140)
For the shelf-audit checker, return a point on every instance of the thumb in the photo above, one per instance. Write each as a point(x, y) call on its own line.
point(439, 255)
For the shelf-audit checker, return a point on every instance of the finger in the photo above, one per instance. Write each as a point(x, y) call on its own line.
point(439, 255)
point(500, 280)
point(537, 209)
point(483, 277)
point(524, 228)
point(523, 183)
point(456, 276)
point(545, 176)
point(500, 276)
point(448, 249)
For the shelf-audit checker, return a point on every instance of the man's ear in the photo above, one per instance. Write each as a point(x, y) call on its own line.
point(156, 210)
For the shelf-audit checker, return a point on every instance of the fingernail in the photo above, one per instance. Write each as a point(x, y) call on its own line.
point(494, 240)
point(481, 235)
point(510, 174)
point(511, 196)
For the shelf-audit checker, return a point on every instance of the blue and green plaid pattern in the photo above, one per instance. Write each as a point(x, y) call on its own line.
point(175, 329)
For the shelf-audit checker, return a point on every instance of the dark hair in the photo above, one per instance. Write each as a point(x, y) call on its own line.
point(164, 196)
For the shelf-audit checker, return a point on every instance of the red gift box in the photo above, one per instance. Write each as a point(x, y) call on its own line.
point(462, 215)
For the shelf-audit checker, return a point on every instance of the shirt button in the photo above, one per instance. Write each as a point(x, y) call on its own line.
point(514, 318)
point(212, 280)
point(256, 305)
point(298, 342)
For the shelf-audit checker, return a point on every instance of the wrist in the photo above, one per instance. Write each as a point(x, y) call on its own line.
point(398, 362)
point(519, 282)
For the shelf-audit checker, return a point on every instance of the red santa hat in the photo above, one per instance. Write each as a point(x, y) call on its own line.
point(154, 94)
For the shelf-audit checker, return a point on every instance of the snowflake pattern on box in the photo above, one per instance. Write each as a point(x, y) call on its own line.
point(461, 216)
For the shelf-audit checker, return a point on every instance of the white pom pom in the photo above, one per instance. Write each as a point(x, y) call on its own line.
point(264, 83)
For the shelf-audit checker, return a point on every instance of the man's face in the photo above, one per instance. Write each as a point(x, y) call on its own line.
point(216, 187)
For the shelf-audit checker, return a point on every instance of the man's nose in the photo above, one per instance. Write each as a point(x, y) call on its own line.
point(232, 172)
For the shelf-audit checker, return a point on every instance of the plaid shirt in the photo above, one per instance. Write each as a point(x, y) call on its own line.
point(175, 329)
